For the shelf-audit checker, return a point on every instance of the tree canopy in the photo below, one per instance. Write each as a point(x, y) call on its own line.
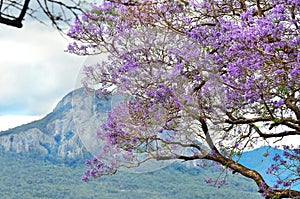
point(203, 80)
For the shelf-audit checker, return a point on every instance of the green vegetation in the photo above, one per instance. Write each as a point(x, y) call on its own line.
point(26, 178)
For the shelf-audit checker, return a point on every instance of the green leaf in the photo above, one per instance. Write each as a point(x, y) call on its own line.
point(276, 120)
point(98, 12)
point(164, 145)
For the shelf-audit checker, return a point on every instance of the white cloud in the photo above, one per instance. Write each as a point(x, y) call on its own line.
point(35, 72)
point(10, 121)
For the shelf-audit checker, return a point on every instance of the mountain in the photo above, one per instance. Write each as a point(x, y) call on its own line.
point(66, 134)
point(45, 159)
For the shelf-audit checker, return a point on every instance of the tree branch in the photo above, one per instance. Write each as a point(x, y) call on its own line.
point(248, 121)
point(24, 10)
point(11, 22)
point(289, 103)
point(54, 10)
point(207, 135)
point(259, 11)
point(273, 135)
point(16, 22)
point(254, 175)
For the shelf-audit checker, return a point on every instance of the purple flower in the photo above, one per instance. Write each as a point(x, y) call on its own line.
point(208, 180)
point(279, 103)
point(87, 172)
point(95, 160)
point(85, 179)
point(100, 165)
point(295, 71)
point(88, 162)
point(282, 162)
point(286, 184)
point(286, 154)
point(276, 157)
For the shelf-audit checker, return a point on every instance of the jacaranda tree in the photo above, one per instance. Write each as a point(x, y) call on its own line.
point(202, 80)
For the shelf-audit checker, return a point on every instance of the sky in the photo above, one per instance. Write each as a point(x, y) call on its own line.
point(35, 72)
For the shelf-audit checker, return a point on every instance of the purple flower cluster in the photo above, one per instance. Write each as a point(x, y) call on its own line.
point(246, 48)
point(97, 168)
point(217, 182)
point(286, 164)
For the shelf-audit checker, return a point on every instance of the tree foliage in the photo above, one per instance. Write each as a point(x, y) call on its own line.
point(60, 13)
point(204, 80)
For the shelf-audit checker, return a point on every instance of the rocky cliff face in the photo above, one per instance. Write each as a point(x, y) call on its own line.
point(69, 132)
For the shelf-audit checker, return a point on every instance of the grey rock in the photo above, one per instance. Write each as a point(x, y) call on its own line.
point(68, 132)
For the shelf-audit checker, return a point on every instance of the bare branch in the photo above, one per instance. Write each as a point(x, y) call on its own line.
point(58, 12)
point(273, 135)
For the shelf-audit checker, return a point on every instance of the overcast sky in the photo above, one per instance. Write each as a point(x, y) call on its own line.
point(35, 72)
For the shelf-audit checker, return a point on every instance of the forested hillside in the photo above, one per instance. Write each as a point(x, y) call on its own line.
point(31, 178)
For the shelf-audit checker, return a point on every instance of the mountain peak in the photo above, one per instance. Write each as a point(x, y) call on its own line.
point(62, 134)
